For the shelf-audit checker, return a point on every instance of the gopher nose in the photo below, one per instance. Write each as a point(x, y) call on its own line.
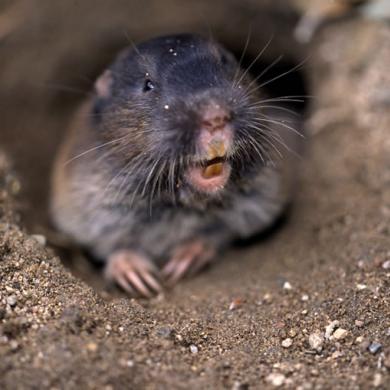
point(216, 131)
point(215, 118)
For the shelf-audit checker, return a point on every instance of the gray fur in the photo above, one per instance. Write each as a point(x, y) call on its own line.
point(96, 201)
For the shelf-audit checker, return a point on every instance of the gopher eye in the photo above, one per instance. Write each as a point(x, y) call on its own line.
point(148, 86)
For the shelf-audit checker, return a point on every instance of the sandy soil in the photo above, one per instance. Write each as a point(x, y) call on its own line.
point(308, 308)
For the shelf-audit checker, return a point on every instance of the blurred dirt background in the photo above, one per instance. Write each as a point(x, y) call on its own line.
point(307, 308)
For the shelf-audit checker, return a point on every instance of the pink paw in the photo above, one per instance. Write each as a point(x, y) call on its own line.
point(187, 259)
point(133, 272)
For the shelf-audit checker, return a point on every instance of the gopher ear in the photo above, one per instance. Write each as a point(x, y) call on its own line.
point(103, 84)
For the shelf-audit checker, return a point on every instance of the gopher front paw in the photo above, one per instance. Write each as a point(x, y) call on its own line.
point(133, 272)
point(187, 259)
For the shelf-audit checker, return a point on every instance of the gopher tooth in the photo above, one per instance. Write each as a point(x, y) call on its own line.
point(212, 170)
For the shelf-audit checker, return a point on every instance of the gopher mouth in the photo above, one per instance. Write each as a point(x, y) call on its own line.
point(213, 167)
point(209, 176)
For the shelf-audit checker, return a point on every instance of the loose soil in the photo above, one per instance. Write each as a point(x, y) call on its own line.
point(258, 318)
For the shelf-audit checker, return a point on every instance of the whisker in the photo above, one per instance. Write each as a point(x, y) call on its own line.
point(276, 137)
point(111, 182)
point(280, 123)
point(254, 81)
point(124, 188)
point(294, 68)
point(280, 108)
point(242, 55)
point(95, 148)
point(150, 175)
point(156, 181)
point(265, 137)
point(253, 62)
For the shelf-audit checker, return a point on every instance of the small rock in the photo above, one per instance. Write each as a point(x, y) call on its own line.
point(359, 323)
point(359, 339)
point(267, 298)
point(92, 347)
point(164, 332)
point(236, 303)
point(193, 349)
point(179, 338)
point(329, 329)
point(240, 386)
point(378, 380)
point(130, 363)
point(386, 264)
point(39, 238)
point(316, 341)
point(287, 343)
point(292, 333)
point(14, 345)
point(304, 298)
point(340, 334)
point(374, 347)
point(11, 300)
point(287, 286)
point(336, 355)
point(276, 379)
point(361, 286)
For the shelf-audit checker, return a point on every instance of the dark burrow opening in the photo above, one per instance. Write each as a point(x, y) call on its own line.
point(282, 74)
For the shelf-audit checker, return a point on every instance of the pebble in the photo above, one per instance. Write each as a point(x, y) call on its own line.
point(361, 286)
point(276, 379)
point(193, 348)
point(239, 386)
point(336, 355)
point(41, 239)
point(329, 329)
point(374, 347)
point(378, 380)
point(92, 347)
point(386, 264)
point(304, 298)
point(179, 338)
point(359, 339)
point(316, 341)
point(11, 300)
point(340, 334)
point(359, 323)
point(14, 345)
point(236, 303)
point(287, 286)
point(164, 332)
point(292, 333)
point(267, 298)
point(287, 343)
